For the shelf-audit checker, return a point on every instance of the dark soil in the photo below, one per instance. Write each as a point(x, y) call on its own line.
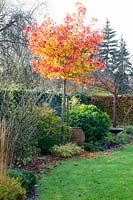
point(38, 164)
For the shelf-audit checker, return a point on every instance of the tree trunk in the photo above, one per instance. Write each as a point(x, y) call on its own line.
point(63, 109)
point(114, 109)
point(67, 110)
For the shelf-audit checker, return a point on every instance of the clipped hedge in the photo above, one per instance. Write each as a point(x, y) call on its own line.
point(124, 110)
point(104, 103)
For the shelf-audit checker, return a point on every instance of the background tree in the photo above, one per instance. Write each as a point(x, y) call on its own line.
point(108, 47)
point(115, 77)
point(15, 65)
point(124, 67)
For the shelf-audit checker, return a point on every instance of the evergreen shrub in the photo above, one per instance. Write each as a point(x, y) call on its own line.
point(93, 121)
point(49, 129)
point(26, 178)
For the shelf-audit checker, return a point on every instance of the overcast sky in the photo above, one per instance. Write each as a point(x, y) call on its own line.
point(119, 12)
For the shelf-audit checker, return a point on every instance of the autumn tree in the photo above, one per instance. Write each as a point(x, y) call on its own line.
point(66, 50)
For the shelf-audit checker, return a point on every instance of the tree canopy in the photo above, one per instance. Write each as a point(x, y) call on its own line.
point(66, 50)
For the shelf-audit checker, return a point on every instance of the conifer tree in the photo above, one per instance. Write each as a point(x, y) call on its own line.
point(115, 77)
point(124, 67)
point(109, 45)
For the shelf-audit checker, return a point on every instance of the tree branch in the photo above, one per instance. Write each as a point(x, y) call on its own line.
point(7, 25)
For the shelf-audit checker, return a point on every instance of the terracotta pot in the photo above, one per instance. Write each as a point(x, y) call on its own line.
point(77, 135)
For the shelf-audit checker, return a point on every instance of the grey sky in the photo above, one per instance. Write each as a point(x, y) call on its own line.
point(119, 12)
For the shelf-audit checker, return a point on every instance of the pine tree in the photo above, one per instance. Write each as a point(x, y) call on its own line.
point(123, 66)
point(115, 77)
point(117, 57)
point(108, 47)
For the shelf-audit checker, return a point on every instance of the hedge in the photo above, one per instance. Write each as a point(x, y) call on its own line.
point(124, 107)
point(14, 97)
point(104, 103)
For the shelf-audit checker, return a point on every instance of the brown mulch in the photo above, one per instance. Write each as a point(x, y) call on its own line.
point(38, 164)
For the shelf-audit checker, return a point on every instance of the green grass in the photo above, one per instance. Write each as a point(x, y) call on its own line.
point(105, 177)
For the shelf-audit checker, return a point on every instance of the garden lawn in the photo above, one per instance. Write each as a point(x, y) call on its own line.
point(108, 177)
